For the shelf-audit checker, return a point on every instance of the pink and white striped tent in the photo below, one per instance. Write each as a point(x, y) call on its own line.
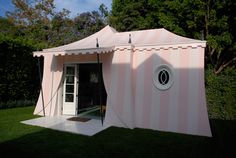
point(154, 79)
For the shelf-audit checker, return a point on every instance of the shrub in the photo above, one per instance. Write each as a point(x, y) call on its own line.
point(221, 93)
point(18, 70)
point(16, 103)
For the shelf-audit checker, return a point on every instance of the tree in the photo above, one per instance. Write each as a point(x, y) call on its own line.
point(62, 31)
point(213, 20)
point(129, 15)
point(39, 21)
point(104, 13)
point(88, 23)
point(8, 28)
point(34, 25)
point(19, 80)
point(35, 19)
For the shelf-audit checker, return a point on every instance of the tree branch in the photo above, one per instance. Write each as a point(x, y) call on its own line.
point(223, 66)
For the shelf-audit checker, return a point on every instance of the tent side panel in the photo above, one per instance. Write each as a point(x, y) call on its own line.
point(46, 88)
point(56, 93)
point(203, 120)
point(52, 76)
point(119, 100)
point(181, 108)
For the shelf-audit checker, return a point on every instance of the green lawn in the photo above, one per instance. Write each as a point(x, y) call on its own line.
point(28, 141)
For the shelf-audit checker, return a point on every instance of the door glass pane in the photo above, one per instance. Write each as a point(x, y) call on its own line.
point(70, 88)
point(69, 79)
point(70, 70)
point(69, 98)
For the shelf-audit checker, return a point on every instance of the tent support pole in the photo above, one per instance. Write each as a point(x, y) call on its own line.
point(41, 88)
point(100, 87)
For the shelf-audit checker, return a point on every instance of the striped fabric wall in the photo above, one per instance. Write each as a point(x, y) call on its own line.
point(134, 101)
point(117, 74)
point(51, 83)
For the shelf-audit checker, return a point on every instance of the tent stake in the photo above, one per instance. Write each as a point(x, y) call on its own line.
point(41, 88)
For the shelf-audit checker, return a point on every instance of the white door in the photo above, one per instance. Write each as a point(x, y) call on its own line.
point(69, 91)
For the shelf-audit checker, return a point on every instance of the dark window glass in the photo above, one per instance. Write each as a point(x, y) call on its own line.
point(70, 70)
point(69, 97)
point(70, 88)
point(163, 77)
point(69, 79)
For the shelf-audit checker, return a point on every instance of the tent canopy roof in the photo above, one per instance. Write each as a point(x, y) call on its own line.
point(108, 39)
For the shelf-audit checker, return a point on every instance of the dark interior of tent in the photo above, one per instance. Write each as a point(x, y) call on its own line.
point(90, 86)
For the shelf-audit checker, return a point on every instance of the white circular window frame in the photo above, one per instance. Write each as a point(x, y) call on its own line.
point(156, 72)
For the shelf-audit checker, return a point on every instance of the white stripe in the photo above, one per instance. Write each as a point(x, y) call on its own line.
point(111, 117)
point(174, 92)
point(127, 105)
point(139, 88)
point(155, 100)
point(193, 88)
point(114, 80)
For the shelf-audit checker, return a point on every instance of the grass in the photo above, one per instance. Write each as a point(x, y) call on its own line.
point(29, 141)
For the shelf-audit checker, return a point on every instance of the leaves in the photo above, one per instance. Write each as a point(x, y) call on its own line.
point(35, 25)
point(213, 20)
point(16, 65)
point(221, 94)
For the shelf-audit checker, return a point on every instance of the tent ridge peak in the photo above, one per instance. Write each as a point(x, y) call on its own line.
point(108, 39)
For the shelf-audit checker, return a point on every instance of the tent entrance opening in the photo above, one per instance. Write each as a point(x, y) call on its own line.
point(82, 88)
point(88, 87)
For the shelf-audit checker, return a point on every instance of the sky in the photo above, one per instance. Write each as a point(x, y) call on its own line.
point(74, 6)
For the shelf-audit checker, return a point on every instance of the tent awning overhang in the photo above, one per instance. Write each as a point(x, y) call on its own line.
point(75, 51)
point(100, 50)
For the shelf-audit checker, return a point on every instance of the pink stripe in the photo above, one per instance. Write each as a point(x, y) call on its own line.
point(140, 37)
point(183, 91)
point(120, 84)
point(164, 97)
point(155, 37)
point(148, 89)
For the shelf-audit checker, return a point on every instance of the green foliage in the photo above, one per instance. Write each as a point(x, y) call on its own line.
point(42, 23)
point(16, 103)
point(213, 20)
point(129, 15)
point(18, 71)
point(31, 27)
point(88, 23)
point(221, 94)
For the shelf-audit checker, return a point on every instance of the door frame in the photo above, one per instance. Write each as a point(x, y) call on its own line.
point(64, 88)
point(75, 64)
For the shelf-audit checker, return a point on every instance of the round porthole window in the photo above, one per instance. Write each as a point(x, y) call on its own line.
point(163, 77)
